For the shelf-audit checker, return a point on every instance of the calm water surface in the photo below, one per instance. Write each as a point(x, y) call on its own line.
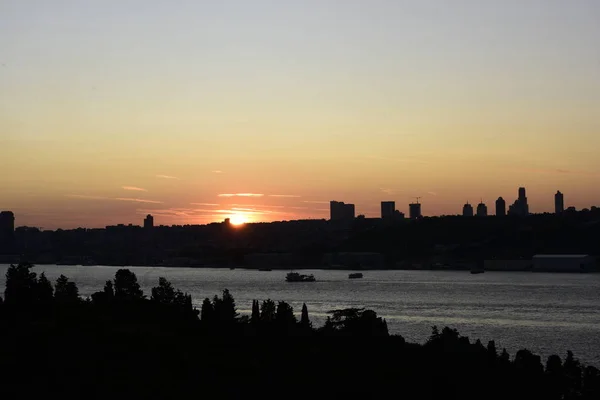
point(546, 313)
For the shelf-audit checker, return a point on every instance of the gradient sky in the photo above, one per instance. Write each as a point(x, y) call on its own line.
point(111, 109)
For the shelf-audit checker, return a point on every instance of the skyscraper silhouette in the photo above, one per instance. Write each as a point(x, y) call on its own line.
point(340, 211)
point(559, 203)
point(7, 229)
point(467, 210)
point(500, 207)
point(482, 210)
point(520, 207)
point(388, 209)
point(415, 210)
point(149, 222)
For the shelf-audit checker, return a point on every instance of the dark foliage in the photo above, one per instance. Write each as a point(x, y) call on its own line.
point(159, 348)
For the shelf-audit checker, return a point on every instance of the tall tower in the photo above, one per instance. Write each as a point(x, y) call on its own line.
point(482, 210)
point(500, 207)
point(414, 210)
point(559, 203)
point(149, 222)
point(467, 210)
point(388, 209)
point(7, 229)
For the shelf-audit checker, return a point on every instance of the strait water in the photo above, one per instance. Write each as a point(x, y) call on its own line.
point(545, 313)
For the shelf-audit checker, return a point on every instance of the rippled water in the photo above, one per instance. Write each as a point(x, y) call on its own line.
point(546, 313)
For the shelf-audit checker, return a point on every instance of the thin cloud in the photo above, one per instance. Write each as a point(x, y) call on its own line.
point(167, 177)
point(134, 188)
point(285, 195)
point(241, 195)
point(86, 197)
point(205, 204)
point(138, 200)
point(315, 202)
point(432, 193)
point(256, 205)
point(387, 191)
point(217, 171)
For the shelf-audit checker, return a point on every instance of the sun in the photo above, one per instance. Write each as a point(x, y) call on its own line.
point(238, 220)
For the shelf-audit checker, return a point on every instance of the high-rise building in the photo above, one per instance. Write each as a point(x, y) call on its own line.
point(559, 202)
point(149, 222)
point(414, 210)
point(7, 228)
point(500, 207)
point(520, 207)
point(482, 210)
point(340, 211)
point(467, 210)
point(388, 209)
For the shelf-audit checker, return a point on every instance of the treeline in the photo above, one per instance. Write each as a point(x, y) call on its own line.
point(119, 342)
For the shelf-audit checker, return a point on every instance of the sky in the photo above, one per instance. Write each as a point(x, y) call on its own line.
point(195, 111)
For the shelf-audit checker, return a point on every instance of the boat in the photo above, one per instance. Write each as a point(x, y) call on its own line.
point(296, 277)
point(477, 270)
point(356, 275)
point(265, 269)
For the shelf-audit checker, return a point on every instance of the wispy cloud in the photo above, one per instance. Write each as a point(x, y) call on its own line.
point(256, 205)
point(241, 195)
point(167, 177)
point(299, 208)
point(205, 204)
point(134, 188)
point(217, 171)
point(432, 193)
point(386, 190)
point(86, 197)
point(285, 195)
point(138, 200)
point(315, 202)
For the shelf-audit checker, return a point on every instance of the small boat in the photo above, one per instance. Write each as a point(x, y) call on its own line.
point(477, 271)
point(232, 268)
point(356, 275)
point(296, 277)
point(265, 269)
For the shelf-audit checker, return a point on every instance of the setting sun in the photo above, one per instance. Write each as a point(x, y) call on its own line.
point(238, 220)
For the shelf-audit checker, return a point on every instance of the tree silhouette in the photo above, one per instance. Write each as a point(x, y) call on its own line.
point(304, 320)
point(21, 285)
point(127, 286)
point(65, 291)
point(207, 312)
point(255, 312)
point(164, 292)
point(285, 314)
point(44, 289)
point(227, 311)
point(267, 311)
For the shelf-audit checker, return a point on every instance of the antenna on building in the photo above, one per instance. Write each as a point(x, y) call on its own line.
point(418, 198)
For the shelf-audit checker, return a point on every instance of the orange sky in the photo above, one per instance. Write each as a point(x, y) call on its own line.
point(107, 114)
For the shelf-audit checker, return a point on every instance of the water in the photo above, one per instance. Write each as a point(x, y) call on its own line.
point(546, 313)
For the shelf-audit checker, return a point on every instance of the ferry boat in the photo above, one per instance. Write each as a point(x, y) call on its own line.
point(296, 277)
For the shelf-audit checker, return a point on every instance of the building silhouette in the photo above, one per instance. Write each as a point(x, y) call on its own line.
point(340, 211)
point(500, 207)
point(482, 210)
point(467, 210)
point(7, 226)
point(149, 222)
point(414, 210)
point(559, 203)
point(388, 209)
point(520, 207)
